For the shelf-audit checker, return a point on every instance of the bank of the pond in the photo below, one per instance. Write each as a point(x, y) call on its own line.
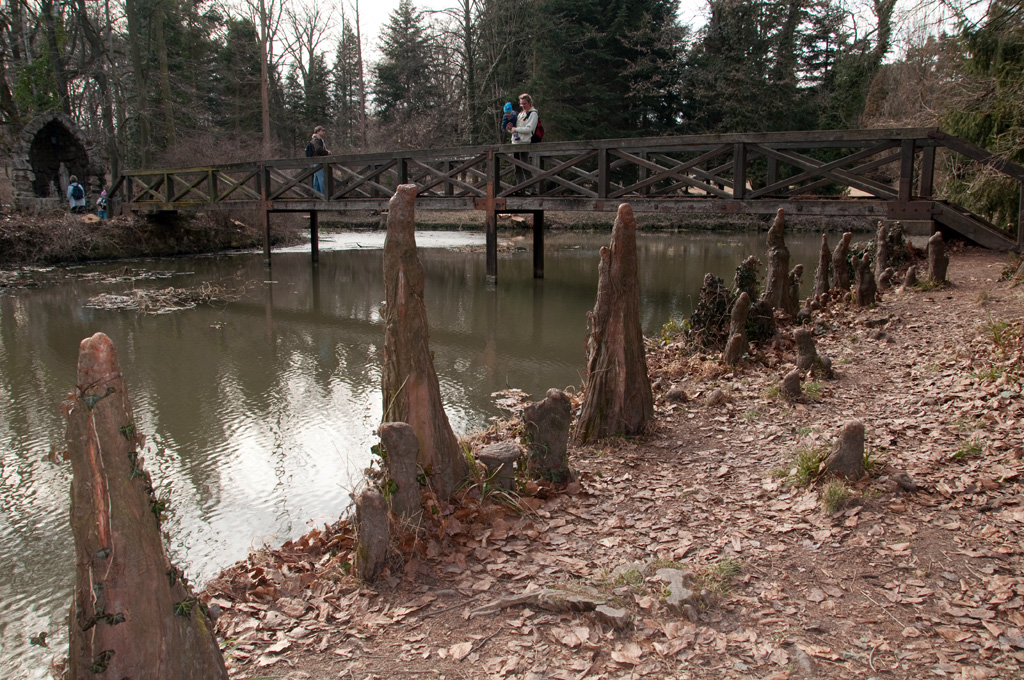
point(63, 238)
point(711, 548)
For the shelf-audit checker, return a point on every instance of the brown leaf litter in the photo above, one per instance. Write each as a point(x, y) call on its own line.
point(692, 552)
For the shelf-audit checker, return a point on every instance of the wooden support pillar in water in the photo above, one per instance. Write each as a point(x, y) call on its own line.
point(266, 236)
point(314, 235)
point(491, 229)
point(538, 244)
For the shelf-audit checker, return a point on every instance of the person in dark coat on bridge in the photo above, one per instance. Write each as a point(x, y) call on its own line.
point(319, 148)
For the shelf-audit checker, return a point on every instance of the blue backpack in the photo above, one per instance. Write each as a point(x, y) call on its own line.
point(77, 192)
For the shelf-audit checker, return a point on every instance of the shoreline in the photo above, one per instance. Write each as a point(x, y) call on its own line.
point(66, 239)
point(916, 568)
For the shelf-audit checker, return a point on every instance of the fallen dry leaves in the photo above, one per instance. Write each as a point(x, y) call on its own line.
point(917, 575)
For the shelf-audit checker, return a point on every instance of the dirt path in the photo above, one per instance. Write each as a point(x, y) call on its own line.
point(916, 574)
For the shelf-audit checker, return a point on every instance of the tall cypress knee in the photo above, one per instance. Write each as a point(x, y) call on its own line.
point(134, 615)
point(776, 285)
point(617, 396)
point(409, 383)
point(821, 277)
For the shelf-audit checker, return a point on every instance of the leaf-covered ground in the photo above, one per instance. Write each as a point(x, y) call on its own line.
point(914, 572)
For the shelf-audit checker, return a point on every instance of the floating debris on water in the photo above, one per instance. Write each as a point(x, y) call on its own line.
point(162, 301)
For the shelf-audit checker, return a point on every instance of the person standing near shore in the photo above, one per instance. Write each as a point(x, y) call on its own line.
point(76, 195)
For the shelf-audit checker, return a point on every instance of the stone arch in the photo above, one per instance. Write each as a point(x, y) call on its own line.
point(51, 149)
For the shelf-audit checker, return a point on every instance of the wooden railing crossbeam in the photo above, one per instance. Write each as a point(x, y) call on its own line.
point(709, 177)
point(291, 182)
point(856, 170)
point(191, 186)
point(448, 178)
point(661, 172)
point(365, 177)
point(810, 174)
point(838, 176)
point(234, 185)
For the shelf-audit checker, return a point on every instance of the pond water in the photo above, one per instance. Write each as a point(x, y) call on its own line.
point(258, 413)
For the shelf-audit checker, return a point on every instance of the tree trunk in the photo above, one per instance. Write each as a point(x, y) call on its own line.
point(142, 99)
point(264, 37)
point(362, 79)
point(56, 56)
point(98, 56)
point(166, 100)
point(411, 391)
point(617, 396)
point(133, 614)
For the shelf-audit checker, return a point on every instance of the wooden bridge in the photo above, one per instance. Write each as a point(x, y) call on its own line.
point(877, 174)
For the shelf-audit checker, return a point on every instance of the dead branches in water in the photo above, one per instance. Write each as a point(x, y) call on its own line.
point(164, 300)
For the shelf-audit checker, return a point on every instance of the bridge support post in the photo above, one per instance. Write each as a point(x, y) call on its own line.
point(266, 236)
point(491, 229)
point(538, 244)
point(314, 235)
point(739, 171)
point(927, 172)
point(906, 184)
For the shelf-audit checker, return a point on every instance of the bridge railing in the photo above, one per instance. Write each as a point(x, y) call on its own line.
point(885, 172)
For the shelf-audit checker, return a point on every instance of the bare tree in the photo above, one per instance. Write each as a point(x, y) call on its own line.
point(266, 17)
point(308, 24)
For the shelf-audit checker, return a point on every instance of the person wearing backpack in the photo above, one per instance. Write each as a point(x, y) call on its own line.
point(318, 147)
point(526, 131)
point(76, 195)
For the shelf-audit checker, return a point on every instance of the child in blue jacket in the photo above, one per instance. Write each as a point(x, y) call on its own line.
point(509, 118)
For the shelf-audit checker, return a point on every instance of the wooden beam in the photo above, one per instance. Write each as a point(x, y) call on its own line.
point(538, 244)
point(962, 146)
point(927, 172)
point(314, 235)
point(739, 171)
point(906, 182)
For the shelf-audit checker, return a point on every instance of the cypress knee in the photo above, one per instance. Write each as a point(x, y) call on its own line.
point(841, 264)
point(776, 285)
point(738, 344)
point(409, 384)
point(134, 614)
point(938, 261)
point(821, 277)
point(617, 396)
point(864, 281)
point(881, 249)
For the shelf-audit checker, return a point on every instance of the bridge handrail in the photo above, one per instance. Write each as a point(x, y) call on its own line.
point(666, 141)
point(589, 174)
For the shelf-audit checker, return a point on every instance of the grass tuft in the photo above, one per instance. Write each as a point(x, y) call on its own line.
point(806, 465)
point(835, 495)
point(716, 578)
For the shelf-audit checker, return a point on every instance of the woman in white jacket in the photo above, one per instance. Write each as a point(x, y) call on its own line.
point(522, 133)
